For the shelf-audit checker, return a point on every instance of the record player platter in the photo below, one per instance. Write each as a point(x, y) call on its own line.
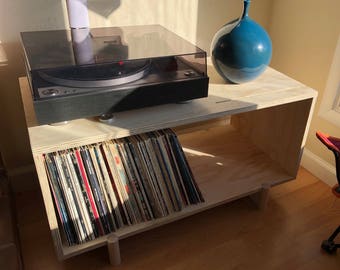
point(98, 76)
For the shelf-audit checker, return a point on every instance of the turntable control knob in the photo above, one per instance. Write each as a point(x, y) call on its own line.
point(50, 92)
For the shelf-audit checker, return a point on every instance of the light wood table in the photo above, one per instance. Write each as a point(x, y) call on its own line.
point(240, 141)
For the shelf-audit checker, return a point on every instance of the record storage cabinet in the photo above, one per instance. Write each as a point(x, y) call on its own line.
point(239, 141)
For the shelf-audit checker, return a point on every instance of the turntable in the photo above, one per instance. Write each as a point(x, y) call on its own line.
point(82, 73)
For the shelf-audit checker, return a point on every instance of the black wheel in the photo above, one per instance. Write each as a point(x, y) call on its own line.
point(329, 246)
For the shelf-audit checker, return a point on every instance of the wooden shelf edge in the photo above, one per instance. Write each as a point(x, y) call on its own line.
point(70, 251)
point(64, 138)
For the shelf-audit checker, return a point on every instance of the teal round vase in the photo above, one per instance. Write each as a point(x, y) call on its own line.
point(241, 50)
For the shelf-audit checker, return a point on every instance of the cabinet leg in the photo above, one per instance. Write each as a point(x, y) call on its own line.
point(261, 198)
point(114, 251)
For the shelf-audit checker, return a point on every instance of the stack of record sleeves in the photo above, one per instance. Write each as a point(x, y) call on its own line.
point(100, 188)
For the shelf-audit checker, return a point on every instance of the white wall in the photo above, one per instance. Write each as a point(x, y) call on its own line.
point(177, 15)
point(305, 35)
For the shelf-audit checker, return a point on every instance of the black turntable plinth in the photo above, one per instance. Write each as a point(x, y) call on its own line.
point(89, 72)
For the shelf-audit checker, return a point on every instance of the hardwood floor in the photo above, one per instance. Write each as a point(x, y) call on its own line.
point(285, 235)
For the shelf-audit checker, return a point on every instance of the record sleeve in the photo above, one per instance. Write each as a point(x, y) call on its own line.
point(137, 189)
point(144, 174)
point(175, 167)
point(80, 180)
point(152, 177)
point(167, 171)
point(125, 183)
point(96, 191)
point(192, 189)
point(103, 190)
point(59, 200)
point(108, 185)
point(83, 206)
point(159, 175)
point(70, 202)
point(75, 198)
point(116, 183)
point(89, 192)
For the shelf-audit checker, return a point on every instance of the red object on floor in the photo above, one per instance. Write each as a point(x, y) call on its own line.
point(333, 144)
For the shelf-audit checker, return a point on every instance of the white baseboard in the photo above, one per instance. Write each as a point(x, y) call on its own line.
point(319, 167)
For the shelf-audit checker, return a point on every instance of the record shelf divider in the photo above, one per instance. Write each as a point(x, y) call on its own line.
point(239, 141)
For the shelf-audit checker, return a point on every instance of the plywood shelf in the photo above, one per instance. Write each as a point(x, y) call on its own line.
point(226, 167)
point(258, 143)
point(271, 89)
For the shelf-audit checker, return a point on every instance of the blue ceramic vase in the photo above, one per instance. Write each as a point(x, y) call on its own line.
point(241, 50)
